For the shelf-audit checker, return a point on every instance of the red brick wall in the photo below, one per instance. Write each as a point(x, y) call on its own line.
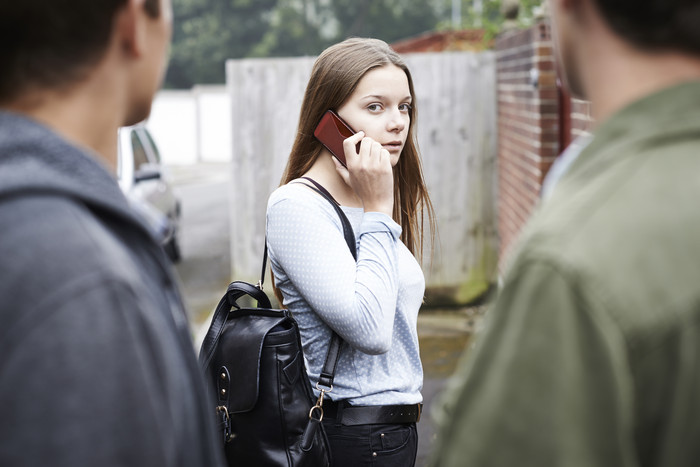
point(528, 125)
point(581, 120)
point(438, 41)
point(531, 128)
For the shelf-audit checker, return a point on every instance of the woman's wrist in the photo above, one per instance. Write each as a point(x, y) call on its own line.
point(378, 207)
point(380, 222)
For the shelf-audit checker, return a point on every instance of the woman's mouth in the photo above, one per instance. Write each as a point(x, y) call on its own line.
point(393, 146)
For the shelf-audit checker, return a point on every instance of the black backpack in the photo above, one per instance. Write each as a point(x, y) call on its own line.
point(254, 364)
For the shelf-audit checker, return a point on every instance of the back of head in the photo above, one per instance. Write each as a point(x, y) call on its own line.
point(655, 24)
point(50, 44)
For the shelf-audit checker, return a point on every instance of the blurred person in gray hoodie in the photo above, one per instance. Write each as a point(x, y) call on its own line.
point(97, 366)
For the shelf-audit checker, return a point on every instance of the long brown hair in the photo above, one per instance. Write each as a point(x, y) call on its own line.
point(334, 77)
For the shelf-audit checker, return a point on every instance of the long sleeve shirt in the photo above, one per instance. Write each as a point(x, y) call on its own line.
point(372, 303)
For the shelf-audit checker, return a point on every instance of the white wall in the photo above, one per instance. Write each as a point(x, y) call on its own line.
point(193, 125)
point(214, 123)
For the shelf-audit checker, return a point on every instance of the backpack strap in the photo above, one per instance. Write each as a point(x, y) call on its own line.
point(347, 227)
point(331, 362)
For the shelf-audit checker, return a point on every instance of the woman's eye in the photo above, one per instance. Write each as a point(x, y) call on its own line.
point(374, 107)
point(405, 107)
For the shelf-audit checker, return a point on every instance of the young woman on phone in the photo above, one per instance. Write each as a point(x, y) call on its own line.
point(371, 413)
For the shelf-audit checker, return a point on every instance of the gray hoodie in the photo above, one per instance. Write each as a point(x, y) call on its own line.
point(96, 362)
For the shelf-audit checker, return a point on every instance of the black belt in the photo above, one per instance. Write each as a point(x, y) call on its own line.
point(347, 414)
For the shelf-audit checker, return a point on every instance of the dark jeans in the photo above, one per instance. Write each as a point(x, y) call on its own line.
point(372, 445)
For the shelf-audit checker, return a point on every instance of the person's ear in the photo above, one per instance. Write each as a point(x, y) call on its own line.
point(130, 27)
point(563, 5)
point(572, 6)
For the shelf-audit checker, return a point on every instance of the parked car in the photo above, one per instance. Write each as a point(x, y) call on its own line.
point(144, 181)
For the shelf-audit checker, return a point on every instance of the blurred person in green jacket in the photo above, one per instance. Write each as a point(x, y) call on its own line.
point(590, 355)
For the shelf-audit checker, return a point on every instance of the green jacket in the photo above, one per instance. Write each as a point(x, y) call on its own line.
point(590, 355)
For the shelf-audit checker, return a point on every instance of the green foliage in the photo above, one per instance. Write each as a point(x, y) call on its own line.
point(294, 30)
point(389, 20)
point(491, 18)
point(208, 32)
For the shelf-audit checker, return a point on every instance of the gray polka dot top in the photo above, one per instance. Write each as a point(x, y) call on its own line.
point(372, 304)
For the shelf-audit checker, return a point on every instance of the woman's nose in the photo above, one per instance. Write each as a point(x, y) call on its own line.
point(397, 121)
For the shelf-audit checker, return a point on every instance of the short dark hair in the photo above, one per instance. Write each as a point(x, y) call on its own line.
point(50, 43)
point(655, 24)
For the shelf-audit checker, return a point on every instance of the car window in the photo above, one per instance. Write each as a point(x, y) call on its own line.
point(154, 147)
point(140, 157)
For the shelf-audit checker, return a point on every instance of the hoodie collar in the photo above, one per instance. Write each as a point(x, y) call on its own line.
point(35, 159)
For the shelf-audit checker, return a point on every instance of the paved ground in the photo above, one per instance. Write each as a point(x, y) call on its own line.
point(205, 272)
point(204, 236)
point(443, 336)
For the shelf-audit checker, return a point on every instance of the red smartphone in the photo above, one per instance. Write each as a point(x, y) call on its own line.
point(331, 132)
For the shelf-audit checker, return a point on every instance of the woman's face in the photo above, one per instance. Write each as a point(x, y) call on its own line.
point(380, 106)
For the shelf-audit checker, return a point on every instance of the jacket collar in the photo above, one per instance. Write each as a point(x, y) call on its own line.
point(673, 112)
point(35, 159)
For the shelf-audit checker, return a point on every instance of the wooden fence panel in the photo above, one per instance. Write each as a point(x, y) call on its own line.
point(266, 96)
point(456, 133)
point(456, 97)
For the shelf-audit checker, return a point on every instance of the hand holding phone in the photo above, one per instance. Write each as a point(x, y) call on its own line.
point(331, 132)
point(374, 185)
